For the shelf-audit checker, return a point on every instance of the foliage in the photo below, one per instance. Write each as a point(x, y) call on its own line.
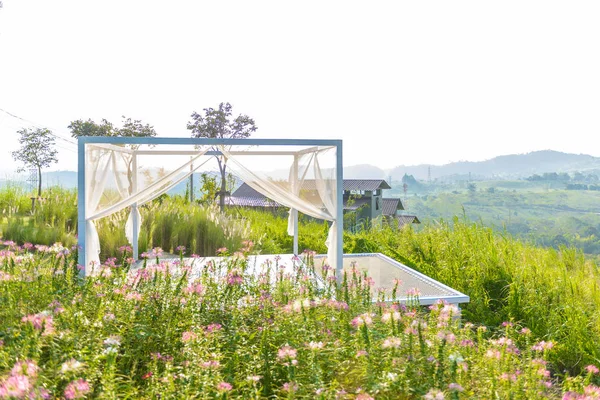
point(219, 331)
point(208, 189)
point(219, 124)
point(53, 220)
point(37, 151)
point(530, 211)
point(130, 128)
point(553, 292)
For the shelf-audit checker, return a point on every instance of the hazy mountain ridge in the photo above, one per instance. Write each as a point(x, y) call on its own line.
point(512, 166)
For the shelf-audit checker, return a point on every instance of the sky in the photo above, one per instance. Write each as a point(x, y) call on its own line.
point(400, 82)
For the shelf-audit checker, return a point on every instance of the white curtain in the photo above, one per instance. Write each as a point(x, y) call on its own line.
point(327, 189)
point(112, 167)
point(288, 193)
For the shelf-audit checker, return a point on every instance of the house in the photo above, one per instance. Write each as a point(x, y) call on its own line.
point(363, 202)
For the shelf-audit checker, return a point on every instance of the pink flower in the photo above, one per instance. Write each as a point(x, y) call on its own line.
point(592, 369)
point(221, 250)
point(455, 386)
point(542, 346)
point(213, 328)
point(28, 368)
point(362, 353)
point(413, 292)
point(211, 364)
point(77, 389)
point(133, 296)
point(188, 336)
point(290, 387)
point(364, 396)
point(363, 319)
point(434, 394)
point(125, 249)
point(42, 322)
point(224, 387)
point(234, 277)
point(286, 353)
point(17, 386)
point(195, 289)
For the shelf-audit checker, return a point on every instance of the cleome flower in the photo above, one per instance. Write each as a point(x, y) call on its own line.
point(287, 355)
point(71, 365)
point(391, 343)
point(363, 319)
point(77, 389)
point(315, 345)
point(543, 345)
point(434, 394)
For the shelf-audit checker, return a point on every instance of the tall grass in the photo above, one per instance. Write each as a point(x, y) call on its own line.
point(54, 218)
point(269, 231)
point(171, 222)
point(554, 293)
point(14, 199)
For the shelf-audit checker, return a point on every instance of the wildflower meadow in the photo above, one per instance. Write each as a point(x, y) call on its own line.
point(174, 329)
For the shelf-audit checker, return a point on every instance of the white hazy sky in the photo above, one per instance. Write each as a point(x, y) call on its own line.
point(400, 82)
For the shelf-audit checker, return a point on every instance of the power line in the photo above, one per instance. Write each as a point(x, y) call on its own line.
point(71, 142)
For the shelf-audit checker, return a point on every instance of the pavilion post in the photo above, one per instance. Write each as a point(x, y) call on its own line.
point(81, 223)
point(339, 184)
point(134, 208)
point(294, 211)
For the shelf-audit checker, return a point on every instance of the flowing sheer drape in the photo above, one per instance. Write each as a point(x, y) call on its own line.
point(294, 194)
point(109, 189)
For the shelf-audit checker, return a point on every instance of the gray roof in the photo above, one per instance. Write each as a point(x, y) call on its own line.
point(251, 202)
point(245, 196)
point(390, 206)
point(246, 191)
point(365, 184)
point(349, 184)
point(407, 219)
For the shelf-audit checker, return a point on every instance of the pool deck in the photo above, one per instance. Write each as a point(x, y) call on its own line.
point(382, 269)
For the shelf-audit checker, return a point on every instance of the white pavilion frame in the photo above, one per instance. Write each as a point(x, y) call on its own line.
point(81, 177)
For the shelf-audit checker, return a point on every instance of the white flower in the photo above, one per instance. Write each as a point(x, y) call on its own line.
point(315, 345)
point(70, 365)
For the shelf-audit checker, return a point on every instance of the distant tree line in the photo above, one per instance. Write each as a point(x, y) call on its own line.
point(577, 177)
point(582, 186)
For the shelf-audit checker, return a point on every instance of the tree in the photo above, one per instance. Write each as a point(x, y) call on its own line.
point(218, 124)
point(37, 151)
point(131, 128)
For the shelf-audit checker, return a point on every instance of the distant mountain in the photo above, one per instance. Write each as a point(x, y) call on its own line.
point(503, 167)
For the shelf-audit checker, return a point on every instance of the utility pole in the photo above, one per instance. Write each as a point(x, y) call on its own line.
point(191, 182)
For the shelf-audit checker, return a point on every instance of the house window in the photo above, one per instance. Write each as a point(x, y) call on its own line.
point(377, 203)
